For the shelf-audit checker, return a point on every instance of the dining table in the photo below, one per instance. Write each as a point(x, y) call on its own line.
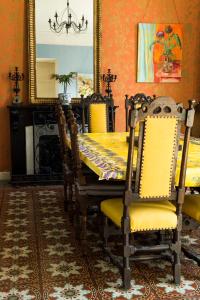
point(106, 155)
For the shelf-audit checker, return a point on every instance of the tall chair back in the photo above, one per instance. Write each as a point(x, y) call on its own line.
point(72, 128)
point(137, 99)
point(98, 113)
point(61, 127)
point(66, 157)
point(159, 133)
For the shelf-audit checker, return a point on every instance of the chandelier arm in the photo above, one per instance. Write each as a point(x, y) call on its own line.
point(62, 14)
point(57, 22)
point(74, 25)
point(57, 30)
point(77, 28)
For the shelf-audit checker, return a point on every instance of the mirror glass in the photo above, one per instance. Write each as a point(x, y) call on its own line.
point(62, 53)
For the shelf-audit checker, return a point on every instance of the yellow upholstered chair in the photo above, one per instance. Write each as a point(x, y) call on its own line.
point(148, 206)
point(191, 206)
point(89, 191)
point(191, 221)
point(98, 113)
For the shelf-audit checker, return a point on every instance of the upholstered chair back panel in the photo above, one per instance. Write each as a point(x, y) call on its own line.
point(158, 157)
point(98, 117)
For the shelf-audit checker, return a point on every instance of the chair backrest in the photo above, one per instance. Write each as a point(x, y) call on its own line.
point(196, 128)
point(99, 113)
point(72, 129)
point(137, 99)
point(64, 149)
point(159, 132)
point(61, 127)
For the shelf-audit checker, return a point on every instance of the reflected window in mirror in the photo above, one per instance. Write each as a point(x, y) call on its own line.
point(62, 53)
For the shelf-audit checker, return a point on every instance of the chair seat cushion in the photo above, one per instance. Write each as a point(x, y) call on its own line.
point(191, 206)
point(143, 215)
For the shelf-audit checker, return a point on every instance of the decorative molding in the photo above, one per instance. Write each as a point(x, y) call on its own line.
point(97, 45)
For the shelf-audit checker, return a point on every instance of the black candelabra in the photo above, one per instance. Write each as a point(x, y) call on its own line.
point(16, 77)
point(108, 78)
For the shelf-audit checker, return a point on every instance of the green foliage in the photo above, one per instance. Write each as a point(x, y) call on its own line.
point(65, 79)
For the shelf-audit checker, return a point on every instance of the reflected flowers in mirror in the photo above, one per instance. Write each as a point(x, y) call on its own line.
point(84, 85)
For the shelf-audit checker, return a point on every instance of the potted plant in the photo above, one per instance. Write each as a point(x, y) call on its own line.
point(66, 80)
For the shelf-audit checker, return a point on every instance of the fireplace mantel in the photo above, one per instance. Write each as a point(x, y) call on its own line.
point(34, 140)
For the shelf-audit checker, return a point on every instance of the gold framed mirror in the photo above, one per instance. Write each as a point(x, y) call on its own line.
point(33, 94)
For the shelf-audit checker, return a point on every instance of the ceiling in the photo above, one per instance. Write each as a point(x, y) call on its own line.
point(46, 9)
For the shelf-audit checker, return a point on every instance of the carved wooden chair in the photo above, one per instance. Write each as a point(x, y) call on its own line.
point(137, 99)
point(65, 156)
point(191, 221)
point(98, 112)
point(148, 206)
point(191, 206)
point(89, 191)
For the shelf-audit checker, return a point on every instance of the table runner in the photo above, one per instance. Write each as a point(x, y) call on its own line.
point(106, 155)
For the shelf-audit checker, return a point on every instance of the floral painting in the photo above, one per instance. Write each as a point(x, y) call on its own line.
point(84, 85)
point(159, 52)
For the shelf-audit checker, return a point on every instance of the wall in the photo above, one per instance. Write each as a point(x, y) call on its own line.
point(119, 52)
point(13, 53)
point(119, 47)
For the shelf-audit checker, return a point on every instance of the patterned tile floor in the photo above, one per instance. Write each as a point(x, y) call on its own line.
point(40, 258)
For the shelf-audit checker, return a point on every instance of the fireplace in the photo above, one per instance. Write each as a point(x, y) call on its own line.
point(42, 146)
point(35, 155)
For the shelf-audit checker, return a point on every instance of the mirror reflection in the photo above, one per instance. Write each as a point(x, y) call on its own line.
point(64, 49)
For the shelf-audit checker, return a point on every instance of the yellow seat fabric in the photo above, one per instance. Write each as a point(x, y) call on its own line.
point(98, 118)
point(143, 215)
point(191, 206)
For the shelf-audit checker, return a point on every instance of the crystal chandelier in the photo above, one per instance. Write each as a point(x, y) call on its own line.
point(59, 24)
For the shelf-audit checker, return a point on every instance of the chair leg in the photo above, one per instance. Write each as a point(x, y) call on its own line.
point(83, 220)
point(71, 201)
point(77, 221)
point(126, 276)
point(191, 254)
point(68, 196)
point(177, 254)
point(65, 196)
point(105, 232)
point(83, 235)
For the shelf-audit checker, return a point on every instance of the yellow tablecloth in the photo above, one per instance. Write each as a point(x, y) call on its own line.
point(106, 155)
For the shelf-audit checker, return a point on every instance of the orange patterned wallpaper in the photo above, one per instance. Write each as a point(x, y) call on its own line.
point(119, 52)
point(119, 47)
point(13, 52)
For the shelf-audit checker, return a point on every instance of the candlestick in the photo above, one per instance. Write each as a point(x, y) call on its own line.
point(16, 77)
point(108, 78)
